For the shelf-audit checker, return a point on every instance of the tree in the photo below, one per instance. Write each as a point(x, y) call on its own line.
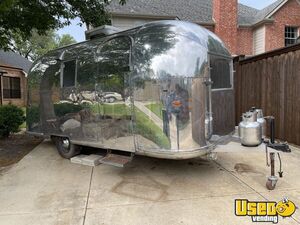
point(65, 39)
point(20, 17)
point(38, 45)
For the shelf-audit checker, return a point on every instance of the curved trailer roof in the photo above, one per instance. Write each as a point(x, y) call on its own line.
point(208, 40)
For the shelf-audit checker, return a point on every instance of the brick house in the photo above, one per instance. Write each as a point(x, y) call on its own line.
point(13, 78)
point(245, 30)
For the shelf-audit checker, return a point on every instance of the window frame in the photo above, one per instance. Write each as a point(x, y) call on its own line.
point(231, 70)
point(10, 85)
point(62, 65)
point(289, 32)
point(98, 50)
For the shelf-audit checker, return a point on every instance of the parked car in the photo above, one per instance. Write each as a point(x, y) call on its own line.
point(91, 96)
point(111, 97)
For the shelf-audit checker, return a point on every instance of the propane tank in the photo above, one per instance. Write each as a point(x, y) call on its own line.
point(262, 121)
point(250, 131)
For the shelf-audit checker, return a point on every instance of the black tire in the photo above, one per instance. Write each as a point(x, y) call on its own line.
point(69, 152)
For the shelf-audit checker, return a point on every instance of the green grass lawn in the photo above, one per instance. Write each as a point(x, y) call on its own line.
point(149, 130)
point(156, 108)
point(143, 124)
point(113, 110)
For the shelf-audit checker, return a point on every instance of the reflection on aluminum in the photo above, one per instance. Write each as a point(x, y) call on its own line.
point(161, 105)
point(66, 143)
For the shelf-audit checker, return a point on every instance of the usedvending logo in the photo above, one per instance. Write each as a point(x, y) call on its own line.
point(264, 211)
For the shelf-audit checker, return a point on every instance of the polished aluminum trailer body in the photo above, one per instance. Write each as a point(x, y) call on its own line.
point(164, 89)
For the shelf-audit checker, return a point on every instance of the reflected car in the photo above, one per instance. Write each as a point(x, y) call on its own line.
point(82, 97)
point(112, 97)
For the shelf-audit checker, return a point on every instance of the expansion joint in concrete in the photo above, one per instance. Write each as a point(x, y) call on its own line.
point(88, 196)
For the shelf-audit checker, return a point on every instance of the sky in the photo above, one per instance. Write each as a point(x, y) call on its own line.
point(74, 30)
point(258, 4)
point(78, 32)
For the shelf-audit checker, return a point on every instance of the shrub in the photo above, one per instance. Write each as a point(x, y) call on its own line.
point(65, 108)
point(11, 118)
point(60, 109)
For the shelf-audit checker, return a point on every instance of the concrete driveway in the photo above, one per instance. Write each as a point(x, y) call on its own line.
point(43, 189)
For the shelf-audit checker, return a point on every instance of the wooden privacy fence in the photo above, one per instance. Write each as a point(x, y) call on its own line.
point(271, 81)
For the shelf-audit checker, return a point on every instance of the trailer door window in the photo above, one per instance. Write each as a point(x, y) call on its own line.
point(69, 73)
point(114, 56)
point(220, 72)
point(113, 60)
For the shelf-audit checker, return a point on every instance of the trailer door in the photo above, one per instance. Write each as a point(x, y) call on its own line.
point(114, 94)
point(222, 95)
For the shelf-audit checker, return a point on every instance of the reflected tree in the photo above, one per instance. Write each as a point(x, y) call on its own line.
point(150, 42)
point(43, 76)
point(217, 46)
point(50, 78)
point(113, 65)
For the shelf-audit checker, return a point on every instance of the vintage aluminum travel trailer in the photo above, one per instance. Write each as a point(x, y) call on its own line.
point(164, 89)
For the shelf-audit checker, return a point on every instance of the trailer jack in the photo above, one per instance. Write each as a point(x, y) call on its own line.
point(283, 147)
point(272, 180)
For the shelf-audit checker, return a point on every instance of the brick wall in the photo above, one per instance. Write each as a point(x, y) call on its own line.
point(288, 15)
point(225, 16)
point(240, 40)
point(244, 41)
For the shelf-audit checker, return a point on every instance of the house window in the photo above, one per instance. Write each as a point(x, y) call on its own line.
point(69, 73)
point(11, 87)
point(291, 35)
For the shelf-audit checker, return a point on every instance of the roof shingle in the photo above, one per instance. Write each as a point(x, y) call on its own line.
point(15, 60)
point(190, 10)
point(264, 12)
point(197, 11)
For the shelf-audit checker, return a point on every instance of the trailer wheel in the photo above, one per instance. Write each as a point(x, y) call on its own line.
point(111, 99)
point(65, 148)
point(270, 185)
